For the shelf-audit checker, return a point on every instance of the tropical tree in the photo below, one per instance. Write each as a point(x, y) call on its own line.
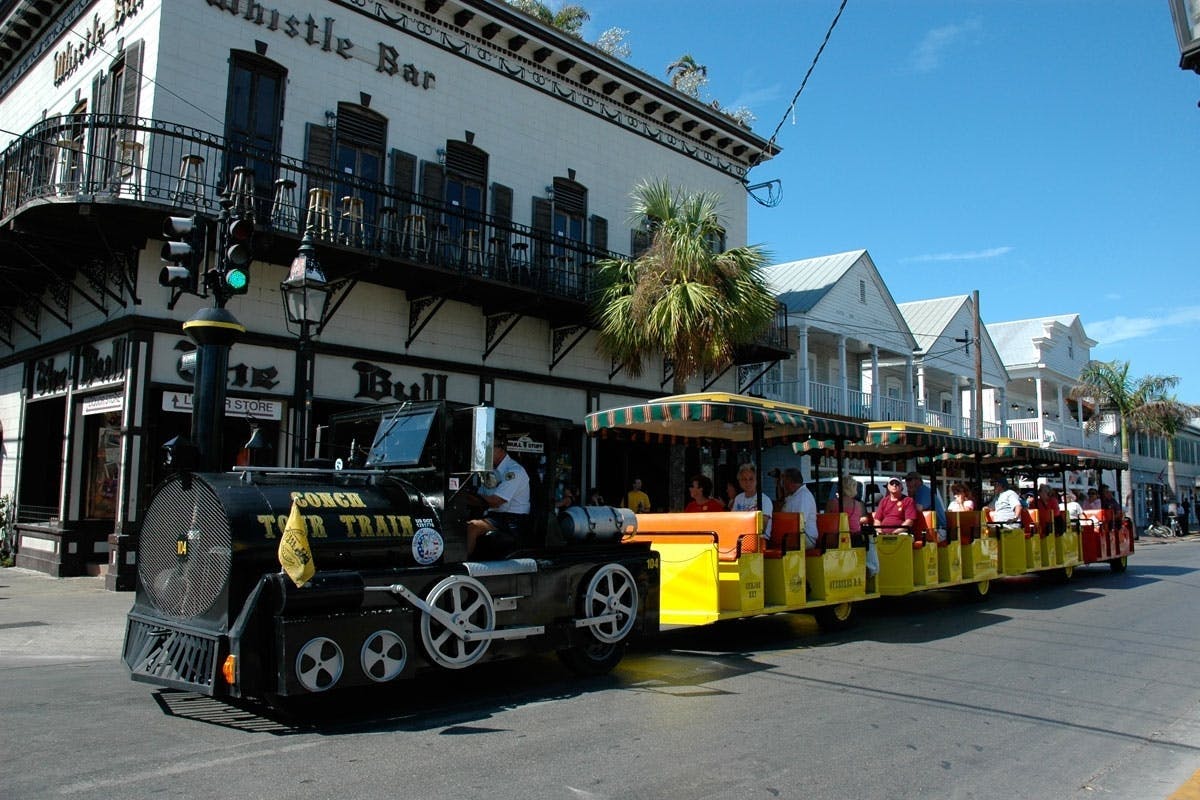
point(687, 75)
point(1131, 402)
point(612, 41)
point(681, 297)
point(568, 18)
point(1165, 416)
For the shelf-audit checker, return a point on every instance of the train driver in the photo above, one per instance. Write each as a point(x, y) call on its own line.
point(506, 518)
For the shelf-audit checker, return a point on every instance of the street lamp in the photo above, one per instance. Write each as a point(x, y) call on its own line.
point(1186, 14)
point(305, 298)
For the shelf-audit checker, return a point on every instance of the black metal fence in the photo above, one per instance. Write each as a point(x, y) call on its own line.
point(106, 158)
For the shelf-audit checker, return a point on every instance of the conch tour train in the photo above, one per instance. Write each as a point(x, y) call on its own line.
point(272, 584)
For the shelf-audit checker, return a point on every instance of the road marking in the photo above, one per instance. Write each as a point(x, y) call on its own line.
point(1190, 790)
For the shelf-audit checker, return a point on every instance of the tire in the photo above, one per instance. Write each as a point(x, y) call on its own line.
point(1119, 564)
point(836, 617)
point(979, 591)
point(592, 659)
point(1064, 574)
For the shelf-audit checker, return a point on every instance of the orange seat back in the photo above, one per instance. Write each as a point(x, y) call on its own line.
point(787, 533)
point(737, 531)
point(965, 524)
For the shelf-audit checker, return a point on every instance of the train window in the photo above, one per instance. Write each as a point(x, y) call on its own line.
point(400, 439)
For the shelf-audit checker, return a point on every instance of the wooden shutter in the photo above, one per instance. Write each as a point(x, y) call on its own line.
point(543, 227)
point(502, 202)
point(599, 235)
point(318, 152)
point(101, 168)
point(404, 171)
point(131, 91)
point(433, 181)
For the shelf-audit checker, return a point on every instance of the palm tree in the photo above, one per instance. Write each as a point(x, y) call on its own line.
point(1165, 415)
point(1131, 402)
point(569, 18)
point(687, 75)
point(680, 297)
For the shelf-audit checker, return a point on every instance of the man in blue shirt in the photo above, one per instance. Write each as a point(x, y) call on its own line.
point(506, 520)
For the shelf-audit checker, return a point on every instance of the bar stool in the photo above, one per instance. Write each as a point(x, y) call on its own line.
point(413, 237)
point(497, 256)
point(385, 230)
point(284, 214)
point(520, 267)
point(191, 180)
point(472, 252)
point(68, 162)
point(241, 191)
point(129, 167)
point(352, 231)
point(319, 217)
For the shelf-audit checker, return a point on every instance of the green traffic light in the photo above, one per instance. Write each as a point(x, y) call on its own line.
point(236, 280)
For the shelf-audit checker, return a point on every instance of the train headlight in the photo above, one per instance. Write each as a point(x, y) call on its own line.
point(229, 669)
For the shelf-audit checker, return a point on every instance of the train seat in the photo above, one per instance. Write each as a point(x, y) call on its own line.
point(737, 532)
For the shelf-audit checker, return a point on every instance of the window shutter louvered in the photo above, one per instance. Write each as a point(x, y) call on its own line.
point(133, 79)
point(543, 226)
point(361, 125)
point(467, 162)
point(318, 152)
point(433, 181)
point(502, 202)
point(404, 171)
point(599, 237)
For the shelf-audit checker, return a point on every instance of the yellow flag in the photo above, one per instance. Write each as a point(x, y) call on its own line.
point(294, 555)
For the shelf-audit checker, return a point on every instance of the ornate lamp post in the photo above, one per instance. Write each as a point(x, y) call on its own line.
point(1186, 14)
point(305, 299)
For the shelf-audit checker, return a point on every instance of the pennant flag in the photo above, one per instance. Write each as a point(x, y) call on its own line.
point(294, 554)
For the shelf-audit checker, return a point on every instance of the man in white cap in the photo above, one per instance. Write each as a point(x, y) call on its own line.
point(505, 523)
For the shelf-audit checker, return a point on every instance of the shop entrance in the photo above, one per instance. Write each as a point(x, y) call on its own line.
point(41, 460)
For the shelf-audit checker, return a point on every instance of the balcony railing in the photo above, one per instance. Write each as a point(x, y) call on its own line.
point(106, 158)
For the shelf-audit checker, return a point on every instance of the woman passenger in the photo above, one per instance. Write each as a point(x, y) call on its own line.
point(700, 490)
point(963, 500)
point(855, 511)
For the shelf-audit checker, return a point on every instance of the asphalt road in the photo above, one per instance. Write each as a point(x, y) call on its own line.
point(1090, 689)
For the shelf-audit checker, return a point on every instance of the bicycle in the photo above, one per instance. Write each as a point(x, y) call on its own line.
point(1164, 530)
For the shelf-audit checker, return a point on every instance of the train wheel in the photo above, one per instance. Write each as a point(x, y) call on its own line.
point(1064, 575)
point(383, 656)
point(835, 618)
point(978, 591)
point(471, 610)
point(1119, 564)
point(319, 664)
point(612, 590)
point(593, 658)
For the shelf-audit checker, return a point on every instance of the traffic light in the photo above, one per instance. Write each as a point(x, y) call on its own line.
point(183, 250)
point(239, 235)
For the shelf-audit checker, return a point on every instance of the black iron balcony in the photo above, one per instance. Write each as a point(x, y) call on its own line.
point(365, 228)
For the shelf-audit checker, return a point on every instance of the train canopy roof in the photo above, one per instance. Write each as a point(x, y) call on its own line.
point(1093, 459)
point(1016, 453)
point(720, 417)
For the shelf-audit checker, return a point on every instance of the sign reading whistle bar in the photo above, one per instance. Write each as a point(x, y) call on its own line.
point(239, 407)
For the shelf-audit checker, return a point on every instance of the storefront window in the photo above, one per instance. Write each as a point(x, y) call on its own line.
point(102, 437)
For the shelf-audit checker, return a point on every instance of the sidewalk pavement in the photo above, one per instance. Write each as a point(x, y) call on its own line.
point(45, 620)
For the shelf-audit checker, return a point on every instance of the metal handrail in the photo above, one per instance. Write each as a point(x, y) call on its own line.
point(113, 158)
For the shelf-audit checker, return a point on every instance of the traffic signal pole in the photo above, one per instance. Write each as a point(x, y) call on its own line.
point(214, 330)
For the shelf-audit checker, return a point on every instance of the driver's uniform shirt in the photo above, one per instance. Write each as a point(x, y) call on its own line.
point(512, 486)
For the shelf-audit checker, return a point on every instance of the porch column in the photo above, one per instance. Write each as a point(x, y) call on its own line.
point(875, 382)
point(1041, 428)
point(1062, 406)
point(908, 388)
point(1002, 417)
point(843, 383)
point(802, 371)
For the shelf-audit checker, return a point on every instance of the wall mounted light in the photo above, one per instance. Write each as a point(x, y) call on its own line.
point(549, 192)
point(441, 155)
point(1015, 407)
point(330, 119)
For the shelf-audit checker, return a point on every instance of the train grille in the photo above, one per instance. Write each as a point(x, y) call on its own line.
point(184, 554)
point(171, 657)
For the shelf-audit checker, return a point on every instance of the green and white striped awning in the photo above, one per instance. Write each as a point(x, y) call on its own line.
point(1015, 453)
point(892, 439)
point(719, 417)
point(1093, 459)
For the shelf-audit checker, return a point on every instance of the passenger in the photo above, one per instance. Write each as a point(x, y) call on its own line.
point(1107, 501)
point(1072, 507)
point(895, 512)
point(568, 499)
point(700, 491)
point(798, 498)
point(595, 498)
point(1092, 503)
point(747, 499)
point(636, 499)
point(731, 493)
point(1048, 509)
point(1006, 505)
point(920, 493)
point(963, 499)
point(505, 522)
point(854, 509)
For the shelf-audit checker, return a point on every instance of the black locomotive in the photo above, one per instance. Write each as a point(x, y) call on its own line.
point(392, 592)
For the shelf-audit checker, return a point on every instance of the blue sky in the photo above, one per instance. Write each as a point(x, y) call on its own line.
point(1040, 151)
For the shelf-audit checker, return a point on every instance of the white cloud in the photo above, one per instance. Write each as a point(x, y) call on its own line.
point(1121, 329)
point(970, 255)
point(928, 55)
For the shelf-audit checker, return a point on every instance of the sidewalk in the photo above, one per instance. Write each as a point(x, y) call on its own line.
point(45, 620)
